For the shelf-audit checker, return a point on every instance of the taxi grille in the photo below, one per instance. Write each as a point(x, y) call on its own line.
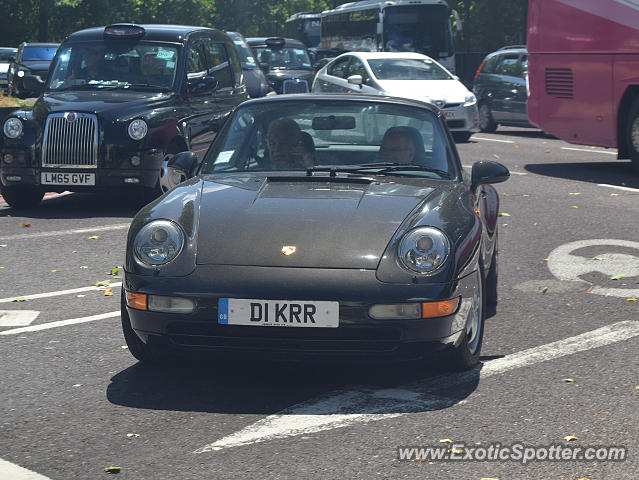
point(68, 143)
point(295, 86)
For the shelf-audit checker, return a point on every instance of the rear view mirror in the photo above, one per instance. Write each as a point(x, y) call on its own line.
point(355, 80)
point(488, 172)
point(333, 123)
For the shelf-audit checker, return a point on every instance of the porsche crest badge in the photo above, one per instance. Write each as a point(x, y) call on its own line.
point(289, 250)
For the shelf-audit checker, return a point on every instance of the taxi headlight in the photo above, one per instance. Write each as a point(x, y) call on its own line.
point(12, 127)
point(424, 250)
point(138, 129)
point(158, 242)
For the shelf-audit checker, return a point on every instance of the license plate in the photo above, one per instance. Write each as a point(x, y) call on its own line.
point(67, 178)
point(449, 115)
point(278, 313)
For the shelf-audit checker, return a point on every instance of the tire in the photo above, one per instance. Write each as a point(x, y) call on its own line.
point(486, 120)
point(461, 137)
point(22, 196)
point(632, 134)
point(466, 355)
point(140, 350)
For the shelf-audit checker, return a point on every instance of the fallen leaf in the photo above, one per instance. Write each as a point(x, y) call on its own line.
point(80, 296)
point(103, 283)
point(525, 195)
point(516, 146)
point(132, 435)
point(1, 268)
point(546, 259)
point(124, 346)
point(3, 245)
point(116, 276)
point(446, 440)
point(637, 387)
point(83, 267)
point(503, 214)
point(216, 448)
point(570, 438)
point(114, 271)
point(575, 193)
point(569, 380)
point(457, 451)
point(631, 299)
point(77, 385)
point(616, 277)
point(26, 224)
point(597, 258)
point(19, 299)
point(53, 271)
point(575, 206)
point(590, 288)
point(614, 194)
point(112, 469)
point(74, 251)
point(108, 292)
point(544, 290)
point(94, 237)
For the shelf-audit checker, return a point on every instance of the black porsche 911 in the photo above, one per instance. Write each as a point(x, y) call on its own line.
point(305, 234)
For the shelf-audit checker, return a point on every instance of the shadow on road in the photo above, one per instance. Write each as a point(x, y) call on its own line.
point(266, 388)
point(613, 172)
point(79, 205)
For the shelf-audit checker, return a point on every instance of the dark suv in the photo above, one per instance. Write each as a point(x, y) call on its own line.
point(119, 102)
point(29, 68)
point(501, 88)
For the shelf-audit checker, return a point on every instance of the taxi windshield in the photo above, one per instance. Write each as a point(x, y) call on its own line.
point(369, 138)
point(111, 65)
point(286, 58)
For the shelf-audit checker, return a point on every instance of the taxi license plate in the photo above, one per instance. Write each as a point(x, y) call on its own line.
point(278, 313)
point(67, 178)
point(449, 115)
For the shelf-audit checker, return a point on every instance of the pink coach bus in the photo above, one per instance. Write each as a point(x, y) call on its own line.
point(583, 72)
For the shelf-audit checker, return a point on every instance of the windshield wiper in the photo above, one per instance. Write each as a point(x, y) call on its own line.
point(413, 168)
point(383, 168)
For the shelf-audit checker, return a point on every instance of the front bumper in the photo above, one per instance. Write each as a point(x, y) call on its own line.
point(462, 118)
point(357, 335)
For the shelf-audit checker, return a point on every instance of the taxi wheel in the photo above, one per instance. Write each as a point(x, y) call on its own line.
point(140, 350)
point(466, 355)
point(22, 196)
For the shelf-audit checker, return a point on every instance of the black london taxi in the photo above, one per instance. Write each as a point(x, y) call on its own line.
point(286, 62)
point(118, 102)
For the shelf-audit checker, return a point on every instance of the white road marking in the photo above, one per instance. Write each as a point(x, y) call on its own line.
point(17, 318)
point(566, 266)
point(61, 323)
point(588, 150)
point(106, 228)
point(59, 292)
point(11, 471)
point(344, 408)
point(475, 137)
point(625, 189)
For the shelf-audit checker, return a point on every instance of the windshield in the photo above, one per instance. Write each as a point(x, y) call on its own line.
point(283, 57)
point(6, 53)
point(113, 65)
point(38, 53)
point(319, 135)
point(418, 28)
point(246, 55)
point(408, 69)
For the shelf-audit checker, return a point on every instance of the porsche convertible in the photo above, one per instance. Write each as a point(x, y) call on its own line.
point(302, 235)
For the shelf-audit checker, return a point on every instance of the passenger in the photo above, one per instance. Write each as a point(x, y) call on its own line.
point(398, 146)
point(288, 147)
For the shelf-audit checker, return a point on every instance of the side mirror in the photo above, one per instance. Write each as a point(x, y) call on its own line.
point(202, 84)
point(265, 66)
point(355, 80)
point(184, 162)
point(488, 172)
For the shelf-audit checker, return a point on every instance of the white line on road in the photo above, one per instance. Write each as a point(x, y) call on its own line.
point(11, 471)
point(106, 228)
point(344, 408)
point(625, 189)
point(587, 150)
point(59, 292)
point(61, 323)
point(475, 137)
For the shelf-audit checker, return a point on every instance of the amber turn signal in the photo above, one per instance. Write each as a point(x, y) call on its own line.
point(136, 300)
point(440, 309)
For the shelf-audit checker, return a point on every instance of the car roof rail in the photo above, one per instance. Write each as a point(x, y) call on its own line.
point(509, 47)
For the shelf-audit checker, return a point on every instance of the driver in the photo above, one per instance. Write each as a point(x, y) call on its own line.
point(397, 146)
point(289, 148)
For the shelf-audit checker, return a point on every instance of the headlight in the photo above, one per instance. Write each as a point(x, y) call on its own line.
point(20, 73)
point(424, 250)
point(470, 100)
point(138, 129)
point(158, 242)
point(13, 127)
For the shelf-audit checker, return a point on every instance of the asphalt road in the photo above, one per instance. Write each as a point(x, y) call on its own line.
point(559, 359)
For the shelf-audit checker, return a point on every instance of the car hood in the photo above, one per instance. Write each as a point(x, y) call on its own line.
point(248, 220)
point(104, 102)
point(449, 91)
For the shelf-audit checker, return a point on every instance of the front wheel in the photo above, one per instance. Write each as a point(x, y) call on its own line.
point(632, 134)
point(486, 121)
point(466, 355)
point(22, 196)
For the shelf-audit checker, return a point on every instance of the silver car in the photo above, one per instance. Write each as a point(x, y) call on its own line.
point(407, 75)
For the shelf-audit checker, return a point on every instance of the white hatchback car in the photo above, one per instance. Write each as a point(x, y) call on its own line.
point(403, 74)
